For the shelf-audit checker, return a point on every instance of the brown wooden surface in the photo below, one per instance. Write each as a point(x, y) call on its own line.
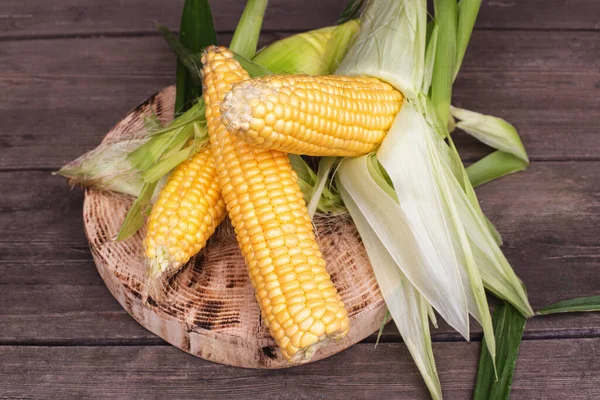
point(547, 369)
point(70, 69)
point(34, 18)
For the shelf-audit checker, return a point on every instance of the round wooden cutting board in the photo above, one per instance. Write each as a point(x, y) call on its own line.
point(208, 308)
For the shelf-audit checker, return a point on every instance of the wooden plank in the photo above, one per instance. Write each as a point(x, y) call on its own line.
point(546, 83)
point(545, 369)
point(34, 18)
point(549, 223)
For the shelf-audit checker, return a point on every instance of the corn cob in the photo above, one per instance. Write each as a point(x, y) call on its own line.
point(186, 213)
point(296, 296)
point(318, 116)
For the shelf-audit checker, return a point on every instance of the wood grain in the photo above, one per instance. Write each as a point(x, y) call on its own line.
point(546, 83)
point(547, 369)
point(548, 217)
point(35, 18)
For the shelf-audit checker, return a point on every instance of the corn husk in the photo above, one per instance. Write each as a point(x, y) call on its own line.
point(313, 53)
point(413, 198)
point(390, 45)
point(106, 168)
point(245, 37)
point(407, 307)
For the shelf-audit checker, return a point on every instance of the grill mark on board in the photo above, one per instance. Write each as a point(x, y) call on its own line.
point(270, 352)
point(150, 300)
point(186, 345)
point(158, 105)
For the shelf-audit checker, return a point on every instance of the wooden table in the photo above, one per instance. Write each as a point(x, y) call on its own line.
point(69, 69)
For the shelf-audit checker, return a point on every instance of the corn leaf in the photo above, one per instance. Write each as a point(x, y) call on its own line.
point(445, 56)
point(137, 213)
point(164, 166)
point(390, 45)
point(196, 31)
point(455, 200)
point(493, 131)
point(325, 166)
point(194, 114)
point(245, 37)
point(185, 56)
point(509, 325)
point(193, 61)
point(386, 318)
point(430, 58)
point(251, 67)
point(467, 14)
point(494, 166)
point(177, 132)
point(581, 304)
point(306, 176)
point(150, 152)
point(302, 169)
point(329, 200)
point(405, 304)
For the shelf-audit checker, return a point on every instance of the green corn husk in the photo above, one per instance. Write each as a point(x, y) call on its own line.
point(467, 15)
point(405, 304)
point(196, 31)
point(313, 53)
point(106, 168)
point(413, 200)
point(445, 57)
point(580, 304)
point(315, 186)
point(245, 37)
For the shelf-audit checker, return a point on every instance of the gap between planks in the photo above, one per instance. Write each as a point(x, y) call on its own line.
point(156, 341)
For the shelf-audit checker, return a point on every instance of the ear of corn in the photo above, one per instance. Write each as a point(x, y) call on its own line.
point(186, 213)
point(296, 296)
point(317, 116)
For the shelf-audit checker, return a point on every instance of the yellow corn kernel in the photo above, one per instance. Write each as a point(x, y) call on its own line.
point(276, 249)
point(317, 116)
point(187, 211)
